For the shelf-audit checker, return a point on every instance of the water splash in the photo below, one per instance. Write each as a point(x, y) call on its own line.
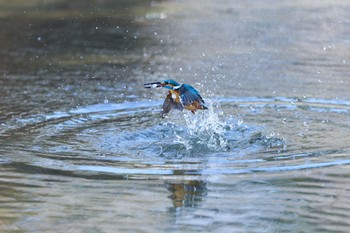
point(206, 130)
point(184, 135)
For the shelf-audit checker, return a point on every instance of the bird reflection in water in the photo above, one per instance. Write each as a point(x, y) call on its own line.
point(187, 193)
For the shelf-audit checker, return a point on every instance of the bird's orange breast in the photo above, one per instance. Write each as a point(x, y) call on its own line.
point(175, 95)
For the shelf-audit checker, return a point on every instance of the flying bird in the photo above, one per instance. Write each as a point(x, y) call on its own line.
point(180, 96)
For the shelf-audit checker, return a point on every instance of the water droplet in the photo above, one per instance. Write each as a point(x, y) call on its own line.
point(96, 28)
point(39, 38)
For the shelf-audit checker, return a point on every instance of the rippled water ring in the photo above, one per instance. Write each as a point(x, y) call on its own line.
point(234, 136)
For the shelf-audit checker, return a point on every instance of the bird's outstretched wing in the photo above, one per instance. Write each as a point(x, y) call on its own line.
point(189, 94)
point(169, 103)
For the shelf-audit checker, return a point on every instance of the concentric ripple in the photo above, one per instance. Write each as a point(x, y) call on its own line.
point(235, 136)
point(227, 162)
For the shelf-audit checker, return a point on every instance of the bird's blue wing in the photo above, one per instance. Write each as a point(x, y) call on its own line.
point(189, 94)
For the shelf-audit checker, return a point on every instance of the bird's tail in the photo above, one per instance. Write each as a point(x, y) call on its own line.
point(203, 106)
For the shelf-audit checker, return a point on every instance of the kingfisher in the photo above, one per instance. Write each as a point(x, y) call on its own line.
point(180, 96)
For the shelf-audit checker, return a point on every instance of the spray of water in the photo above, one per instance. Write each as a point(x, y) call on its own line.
point(204, 131)
point(188, 134)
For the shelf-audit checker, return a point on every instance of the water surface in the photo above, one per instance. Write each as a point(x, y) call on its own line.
point(82, 146)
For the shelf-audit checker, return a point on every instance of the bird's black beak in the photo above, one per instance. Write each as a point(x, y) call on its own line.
point(153, 85)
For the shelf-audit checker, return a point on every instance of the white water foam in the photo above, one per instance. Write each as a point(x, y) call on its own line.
point(205, 129)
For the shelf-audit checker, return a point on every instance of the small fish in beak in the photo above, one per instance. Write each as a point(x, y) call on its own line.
point(153, 85)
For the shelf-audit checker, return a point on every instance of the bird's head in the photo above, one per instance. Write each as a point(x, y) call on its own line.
point(169, 84)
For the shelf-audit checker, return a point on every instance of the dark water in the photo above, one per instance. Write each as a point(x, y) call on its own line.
point(82, 147)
